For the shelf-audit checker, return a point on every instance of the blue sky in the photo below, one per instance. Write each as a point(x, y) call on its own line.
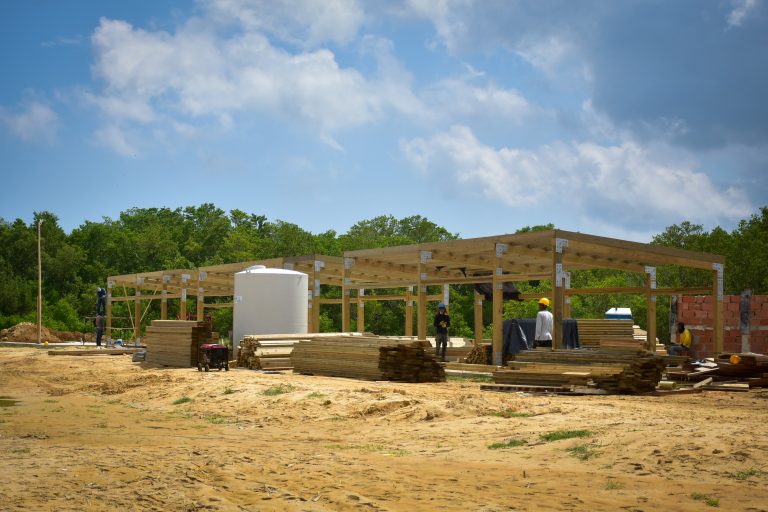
point(611, 118)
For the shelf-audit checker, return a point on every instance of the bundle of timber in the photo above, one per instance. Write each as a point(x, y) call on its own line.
point(479, 354)
point(175, 342)
point(610, 371)
point(623, 345)
point(368, 358)
point(273, 351)
point(745, 364)
point(592, 331)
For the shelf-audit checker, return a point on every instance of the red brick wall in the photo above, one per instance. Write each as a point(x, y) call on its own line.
point(697, 314)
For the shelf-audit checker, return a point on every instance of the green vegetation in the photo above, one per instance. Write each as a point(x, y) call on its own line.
point(146, 239)
point(583, 451)
point(316, 394)
point(509, 413)
point(712, 502)
point(613, 485)
point(229, 391)
point(217, 419)
point(371, 448)
point(559, 435)
point(746, 474)
point(19, 451)
point(509, 443)
point(278, 390)
point(469, 378)
point(182, 400)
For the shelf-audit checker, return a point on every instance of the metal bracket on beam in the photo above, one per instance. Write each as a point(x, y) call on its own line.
point(560, 244)
point(559, 275)
point(110, 284)
point(719, 268)
point(185, 278)
point(317, 288)
point(319, 265)
point(202, 275)
point(423, 276)
point(349, 263)
point(166, 279)
point(425, 256)
point(288, 266)
point(139, 280)
point(501, 249)
point(651, 271)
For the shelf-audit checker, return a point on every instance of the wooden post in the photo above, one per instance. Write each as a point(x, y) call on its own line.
point(164, 299)
point(183, 303)
point(316, 280)
point(558, 295)
point(717, 308)
point(567, 299)
point(360, 310)
point(345, 313)
point(109, 312)
point(498, 305)
point(137, 318)
point(424, 256)
point(478, 318)
point(39, 285)
point(650, 299)
point(746, 295)
point(409, 311)
point(673, 319)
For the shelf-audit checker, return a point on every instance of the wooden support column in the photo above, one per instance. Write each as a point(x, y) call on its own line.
point(409, 311)
point(315, 284)
point(478, 318)
point(567, 300)
point(109, 312)
point(164, 299)
point(183, 303)
point(558, 294)
point(200, 308)
point(744, 301)
point(498, 304)
point(717, 308)
point(360, 310)
point(137, 318)
point(650, 298)
point(345, 313)
point(424, 257)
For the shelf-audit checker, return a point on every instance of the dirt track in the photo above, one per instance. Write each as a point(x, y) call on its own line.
point(102, 433)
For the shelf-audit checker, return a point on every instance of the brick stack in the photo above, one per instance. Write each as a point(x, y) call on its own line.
point(697, 314)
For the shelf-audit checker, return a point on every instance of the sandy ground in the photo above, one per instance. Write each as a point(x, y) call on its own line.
point(102, 433)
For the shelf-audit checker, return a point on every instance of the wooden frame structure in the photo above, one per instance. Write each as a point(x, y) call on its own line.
point(540, 255)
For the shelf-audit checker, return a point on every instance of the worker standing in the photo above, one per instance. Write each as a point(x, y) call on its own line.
point(442, 323)
point(101, 301)
point(545, 323)
point(99, 323)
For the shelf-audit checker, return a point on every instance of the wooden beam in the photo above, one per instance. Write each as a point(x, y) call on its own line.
point(498, 304)
point(361, 310)
point(345, 313)
point(558, 288)
point(409, 311)
point(478, 318)
point(718, 270)
point(650, 282)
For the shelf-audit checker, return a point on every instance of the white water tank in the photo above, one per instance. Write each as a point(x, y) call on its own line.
point(269, 301)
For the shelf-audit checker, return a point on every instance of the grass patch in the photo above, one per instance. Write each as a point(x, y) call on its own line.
point(509, 443)
point(182, 400)
point(217, 419)
point(316, 394)
point(370, 448)
point(278, 390)
point(20, 450)
point(711, 502)
point(559, 435)
point(613, 485)
point(746, 474)
point(51, 401)
point(229, 391)
point(338, 418)
point(469, 378)
point(582, 451)
point(509, 413)
point(101, 425)
point(113, 402)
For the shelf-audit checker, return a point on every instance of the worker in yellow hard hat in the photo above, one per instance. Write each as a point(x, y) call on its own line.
point(544, 325)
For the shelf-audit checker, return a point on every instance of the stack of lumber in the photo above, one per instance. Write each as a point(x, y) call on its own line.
point(744, 364)
point(611, 371)
point(592, 331)
point(273, 351)
point(367, 358)
point(623, 345)
point(175, 342)
point(478, 354)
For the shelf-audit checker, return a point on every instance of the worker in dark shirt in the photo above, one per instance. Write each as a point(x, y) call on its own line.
point(442, 323)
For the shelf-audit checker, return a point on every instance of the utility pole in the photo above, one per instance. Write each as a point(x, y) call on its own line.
point(39, 286)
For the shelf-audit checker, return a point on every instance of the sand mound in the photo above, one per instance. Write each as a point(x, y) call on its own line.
point(27, 332)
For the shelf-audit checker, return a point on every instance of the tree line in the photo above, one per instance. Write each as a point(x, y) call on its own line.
point(148, 239)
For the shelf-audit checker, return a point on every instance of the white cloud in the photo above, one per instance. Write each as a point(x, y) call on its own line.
point(625, 182)
point(458, 97)
point(307, 23)
point(112, 137)
point(33, 121)
point(192, 74)
point(545, 53)
point(740, 11)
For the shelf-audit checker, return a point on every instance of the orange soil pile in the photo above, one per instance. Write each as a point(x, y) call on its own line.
point(27, 332)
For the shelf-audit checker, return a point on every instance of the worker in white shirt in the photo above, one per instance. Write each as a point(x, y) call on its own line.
point(544, 325)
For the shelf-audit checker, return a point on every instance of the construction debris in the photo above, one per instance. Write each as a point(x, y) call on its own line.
point(367, 358)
